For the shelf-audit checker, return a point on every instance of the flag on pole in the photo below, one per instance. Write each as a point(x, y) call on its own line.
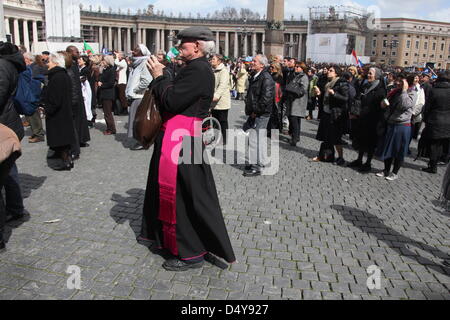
point(173, 53)
point(356, 61)
point(88, 48)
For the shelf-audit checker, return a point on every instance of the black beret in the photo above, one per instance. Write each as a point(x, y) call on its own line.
point(197, 32)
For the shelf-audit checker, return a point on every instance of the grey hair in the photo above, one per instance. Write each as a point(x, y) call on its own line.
point(58, 59)
point(29, 56)
point(263, 60)
point(109, 60)
point(207, 47)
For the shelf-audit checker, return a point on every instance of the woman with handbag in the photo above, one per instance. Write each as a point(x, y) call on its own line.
point(368, 114)
point(297, 100)
point(399, 110)
point(333, 120)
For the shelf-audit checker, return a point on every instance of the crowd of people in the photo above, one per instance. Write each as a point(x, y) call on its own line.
point(380, 110)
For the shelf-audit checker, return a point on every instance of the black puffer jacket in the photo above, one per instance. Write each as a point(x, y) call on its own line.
point(260, 95)
point(437, 111)
point(108, 80)
point(74, 74)
point(10, 67)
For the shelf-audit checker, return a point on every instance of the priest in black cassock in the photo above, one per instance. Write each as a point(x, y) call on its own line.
point(181, 209)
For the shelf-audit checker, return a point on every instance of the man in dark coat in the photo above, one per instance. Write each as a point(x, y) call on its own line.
point(11, 64)
point(259, 104)
point(78, 110)
point(181, 208)
point(57, 105)
point(437, 121)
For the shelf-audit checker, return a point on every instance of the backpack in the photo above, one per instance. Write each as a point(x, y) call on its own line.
point(28, 93)
point(326, 152)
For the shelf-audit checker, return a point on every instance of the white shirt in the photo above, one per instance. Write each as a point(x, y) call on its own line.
point(122, 70)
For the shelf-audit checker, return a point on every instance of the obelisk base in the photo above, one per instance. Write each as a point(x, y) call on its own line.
point(274, 43)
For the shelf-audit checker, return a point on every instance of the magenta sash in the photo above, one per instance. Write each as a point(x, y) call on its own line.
point(175, 127)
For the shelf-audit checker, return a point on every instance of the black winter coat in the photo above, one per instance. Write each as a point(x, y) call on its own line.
point(108, 80)
point(437, 112)
point(10, 67)
point(339, 99)
point(58, 110)
point(260, 95)
point(190, 93)
point(371, 113)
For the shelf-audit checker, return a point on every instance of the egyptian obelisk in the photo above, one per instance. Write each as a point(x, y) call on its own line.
point(274, 43)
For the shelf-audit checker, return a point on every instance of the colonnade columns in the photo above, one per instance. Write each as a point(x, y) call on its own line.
point(35, 35)
point(227, 44)
point(245, 45)
point(236, 45)
point(144, 36)
point(26, 35)
point(253, 44)
point(119, 39)
point(217, 42)
point(170, 40)
point(16, 32)
point(7, 30)
point(128, 47)
point(163, 40)
point(109, 38)
point(263, 40)
point(157, 42)
point(100, 38)
point(300, 56)
point(139, 36)
point(291, 46)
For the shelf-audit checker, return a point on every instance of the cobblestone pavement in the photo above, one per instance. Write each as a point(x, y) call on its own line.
point(308, 232)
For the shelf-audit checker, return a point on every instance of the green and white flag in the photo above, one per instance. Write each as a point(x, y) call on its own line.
point(173, 53)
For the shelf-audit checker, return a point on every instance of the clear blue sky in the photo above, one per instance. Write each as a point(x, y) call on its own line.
point(438, 10)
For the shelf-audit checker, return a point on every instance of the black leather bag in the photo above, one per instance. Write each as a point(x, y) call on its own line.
point(11, 118)
point(295, 88)
point(147, 121)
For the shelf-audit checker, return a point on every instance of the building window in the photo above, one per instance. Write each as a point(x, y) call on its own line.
point(408, 44)
point(385, 43)
point(373, 53)
point(406, 54)
point(424, 55)
point(406, 62)
point(417, 44)
point(383, 53)
point(434, 46)
point(388, 26)
point(394, 53)
point(409, 36)
point(374, 43)
point(432, 56)
point(442, 47)
point(385, 36)
point(439, 64)
point(425, 45)
point(426, 37)
point(440, 56)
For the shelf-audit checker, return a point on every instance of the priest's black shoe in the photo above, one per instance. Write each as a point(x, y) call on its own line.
point(14, 217)
point(430, 170)
point(252, 173)
point(2, 246)
point(179, 265)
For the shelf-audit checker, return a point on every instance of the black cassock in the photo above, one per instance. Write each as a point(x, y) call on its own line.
point(200, 227)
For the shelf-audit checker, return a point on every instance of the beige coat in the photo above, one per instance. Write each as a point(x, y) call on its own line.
point(9, 143)
point(222, 88)
point(242, 77)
